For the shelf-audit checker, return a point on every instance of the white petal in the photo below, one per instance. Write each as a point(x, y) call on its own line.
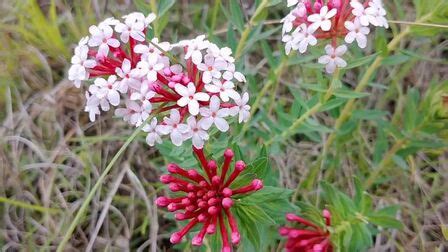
point(221, 124)
point(113, 97)
point(193, 107)
point(181, 90)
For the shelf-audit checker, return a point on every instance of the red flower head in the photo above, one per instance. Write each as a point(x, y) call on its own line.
point(207, 198)
point(311, 239)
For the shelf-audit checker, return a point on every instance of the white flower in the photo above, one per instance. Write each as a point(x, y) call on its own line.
point(80, 57)
point(292, 2)
point(151, 50)
point(149, 19)
point(92, 106)
point(194, 48)
point(303, 36)
point(124, 73)
point(111, 21)
point(289, 43)
point(144, 95)
point(190, 97)
point(174, 127)
point(288, 23)
point(153, 131)
point(133, 113)
point(211, 68)
point(107, 89)
point(360, 12)
point(148, 68)
point(77, 74)
point(377, 10)
point(102, 37)
point(356, 31)
point(333, 58)
point(196, 132)
point(215, 115)
point(322, 19)
point(224, 89)
point(230, 73)
point(133, 26)
point(224, 53)
point(241, 109)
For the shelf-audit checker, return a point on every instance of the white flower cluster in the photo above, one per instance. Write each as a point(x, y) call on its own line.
point(183, 101)
point(309, 22)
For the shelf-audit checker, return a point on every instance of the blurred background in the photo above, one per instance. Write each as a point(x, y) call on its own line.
point(51, 154)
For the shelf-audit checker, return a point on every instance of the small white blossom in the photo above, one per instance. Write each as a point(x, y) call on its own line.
point(148, 68)
point(102, 37)
point(356, 32)
point(322, 20)
point(365, 17)
point(333, 59)
point(224, 53)
point(151, 50)
point(241, 109)
point(211, 68)
point(196, 132)
point(230, 74)
point(215, 115)
point(134, 113)
point(224, 89)
point(133, 27)
point(303, 36)
point(77, 74)
point(153, 131)
point(194, 48)
point(107, 89)
point(174, 127)
point(92, 106)
point(190, 97)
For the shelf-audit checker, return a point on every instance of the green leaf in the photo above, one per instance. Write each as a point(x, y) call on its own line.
point(236, 15)
point(164, 6)
point(349, 94)
point(357, 62)
point(257, 169)
point(385, 221)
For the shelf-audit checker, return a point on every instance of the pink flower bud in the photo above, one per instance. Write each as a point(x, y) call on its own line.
point(228, 153)
point(227, 192)
point(326, 213)
point(172, 207)
point(190, 208)
point(202, 217)
point(185, 80)
point(240, 165)
point(192, 173)
point(190, 186)
point(283, 231)
point(197, 241)
point(211, 229)
point(216, 180)
point(257, 184)
point(162, 201)
point(236, 237)
point(167, 71)
point(212, 165)
point(291, 217)
point(166, 179)
point(227, 202)
point(174, 187)
point(212, 210)
point(191, 195)
point(185, 201)
point(179, 216)
point(202, 204)
point(177, 78)
point(211, 194)
point(212, 201)
point(203, 183)
point(226, 249)
point(173, 168)
point(175, 238)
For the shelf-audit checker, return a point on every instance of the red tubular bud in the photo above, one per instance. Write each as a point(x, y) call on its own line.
point(254, 186)
point(166, 179)
point(283, 231)
point(239, 167)
point(233, 227)
point(212, 201)
point(162, 201)
point(173, 168)
point(227, 203)
point(225, 239)
point(227, 192)
point(257, 184)
point(293, 217)
point(216, 181)
point(212, 166)
point(213, 210)
point(177, 236)
point(327, 216)
point(228, 156)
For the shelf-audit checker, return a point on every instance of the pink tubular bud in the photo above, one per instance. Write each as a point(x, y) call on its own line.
point(162, 201)
point(202, 217)
point(212, 165)
point(257, 184)
point(216, 180)
point(227, 192)
point(176, 78)
point(167, 71)
point(203, 183)
point(291, 217)
point(175, 238)
point(236, 237)
point(283, 231)
point(240, 165)
point(174, 187)
point(226, 249)
point(200, 193)
point(191, 195)
point(211, 229)
point(180, 216)
point(212, 201)
point(166, 179)
point(186, 201)
point(173, 168)
point(211, 193)
point(317, 6)
point(227, 202)
point(190, 187)
point(228, 153)
point(197, 240)
point(185, 80)
point(326, 213)
point(202, 204)
point(172, 207)
point(190, 208)
point(318, 248)
point(212, 210)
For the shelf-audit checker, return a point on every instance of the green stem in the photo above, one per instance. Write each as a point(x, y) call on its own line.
point(91, 194)
point(277, 73)
point(247, 30)
point(313, 110)
point(26, 205)
point(154, 9)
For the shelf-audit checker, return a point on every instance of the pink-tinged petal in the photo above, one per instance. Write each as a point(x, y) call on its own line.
point(89, 63)
point(193, 107)
point(197, 141)
point(138, 35)
point(220, 65)
point(141, 49)
point(196, 57)
point(207, 77)
point(223, 112)
point(206, 122)
point(175, 115)
point(349, 25)
point(233, 111)
point(209, 60)
point(340, 62)
point(331, 13)
point(215, 103)
point(325, 25)
point(113, 42)
point(349, 38)
point(245, 98)
point(113, 97)
point(183, 101)
point(340, 50)
point(240, 77)
point(191, 88)
point(201, 96)
point(314, 18)
point(324, 59)
point(152, 76)
point(212, 88)
point(205, 112)
point(329, 49)
point(221, 124)
point(181, 90)
point(183, 128)
point(176, 138)
point(164, 129)
point(330, 67)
